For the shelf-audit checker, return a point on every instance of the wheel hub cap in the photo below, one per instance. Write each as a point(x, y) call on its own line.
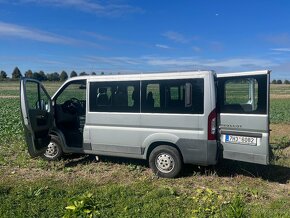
point(51, 150)
point(165, 163)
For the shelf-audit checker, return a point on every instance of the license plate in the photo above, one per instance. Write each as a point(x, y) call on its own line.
point(241, 140)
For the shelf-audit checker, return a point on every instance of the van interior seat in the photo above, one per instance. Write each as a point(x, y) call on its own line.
point(102, 97)
point(247, 107)
point(150, 100)
point(232, 108)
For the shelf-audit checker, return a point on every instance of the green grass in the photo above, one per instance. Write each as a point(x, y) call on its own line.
point(11, 124)
point(280, 111)
point(144, 198)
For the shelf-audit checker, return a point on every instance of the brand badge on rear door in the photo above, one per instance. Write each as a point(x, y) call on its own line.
point(231, 125)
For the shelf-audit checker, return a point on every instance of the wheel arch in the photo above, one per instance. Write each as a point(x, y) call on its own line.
point(59, 134)
point(154, 145)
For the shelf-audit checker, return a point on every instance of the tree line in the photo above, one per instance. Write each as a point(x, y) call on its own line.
point(279, 81)
point(41, 76)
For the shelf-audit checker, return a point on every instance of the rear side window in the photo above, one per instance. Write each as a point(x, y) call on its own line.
point(246, 95)
point(173, 96)
point(115, 96)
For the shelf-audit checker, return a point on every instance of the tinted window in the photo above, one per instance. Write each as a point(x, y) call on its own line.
point(115, 96)
point(173, 96)
point(243, 95)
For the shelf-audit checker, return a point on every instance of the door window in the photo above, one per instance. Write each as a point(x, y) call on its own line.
point(32, 94)
point(243, 95)
point(75, 89)
point(36, 97)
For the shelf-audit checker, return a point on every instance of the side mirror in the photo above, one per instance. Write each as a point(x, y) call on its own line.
point(82, 86)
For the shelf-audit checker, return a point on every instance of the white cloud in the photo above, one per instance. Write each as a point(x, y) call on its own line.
point(175, 36)
point(162, 46)
point(13, 30)
point(240, 62)
point(192, 63)
point(144, 64)
point(279, 39)
point(281, 49)
point(7, 29)
point(112, 60)
point(102, 8)
point(178, 37)
point(98, 36)
point(196, 48)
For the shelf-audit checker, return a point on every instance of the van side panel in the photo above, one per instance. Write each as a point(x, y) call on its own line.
point(114, 132)
point(132, 134)
point(181, 130)
point(190, 129)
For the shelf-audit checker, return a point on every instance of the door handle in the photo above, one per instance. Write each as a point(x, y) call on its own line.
point(40, 117)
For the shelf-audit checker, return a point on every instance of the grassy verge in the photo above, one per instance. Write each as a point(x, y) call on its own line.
point(142, 198)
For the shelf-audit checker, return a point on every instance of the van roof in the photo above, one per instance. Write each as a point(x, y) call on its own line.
point(145, 76)
point(248, 73)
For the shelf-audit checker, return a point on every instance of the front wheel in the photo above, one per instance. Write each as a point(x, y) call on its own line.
point(53, 151)
point(165, 161)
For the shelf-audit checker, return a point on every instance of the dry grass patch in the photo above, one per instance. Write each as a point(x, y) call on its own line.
point(280, 96)
point(280, 130)
point(9, 96)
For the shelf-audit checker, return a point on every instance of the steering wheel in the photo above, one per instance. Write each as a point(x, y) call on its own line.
point(73, 106)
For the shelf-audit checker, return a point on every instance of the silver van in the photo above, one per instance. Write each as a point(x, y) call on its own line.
point(166, 118)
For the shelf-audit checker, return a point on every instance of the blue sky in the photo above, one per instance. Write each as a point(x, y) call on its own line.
point(145, 35)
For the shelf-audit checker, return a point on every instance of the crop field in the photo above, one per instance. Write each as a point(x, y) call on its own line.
point(81, 186)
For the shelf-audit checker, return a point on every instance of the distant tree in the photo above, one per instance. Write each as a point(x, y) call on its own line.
point(279, 81)
point(3, 75)
point(274, 81)
point(63, 76)
point(102, 73)
point(73, 74)
point(16, 74)
point(28, 74)
point(42, 75)
point(55, 76)
point(36, 76)
point(286, 81)
point(93, 73)
point(49, 76)
point(83, 74)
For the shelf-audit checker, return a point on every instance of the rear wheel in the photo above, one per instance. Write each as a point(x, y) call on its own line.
point(53, 151)
point(165, 161)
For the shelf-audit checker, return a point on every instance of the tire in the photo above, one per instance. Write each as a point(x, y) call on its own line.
point(53, 151)
point(165, 161)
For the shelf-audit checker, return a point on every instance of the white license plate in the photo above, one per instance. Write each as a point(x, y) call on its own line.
point(241, 140)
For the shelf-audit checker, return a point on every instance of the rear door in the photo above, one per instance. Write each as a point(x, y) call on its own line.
point(36, 110)
point(243, 116)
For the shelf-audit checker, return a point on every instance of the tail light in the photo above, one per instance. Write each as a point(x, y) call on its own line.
point(211, 131)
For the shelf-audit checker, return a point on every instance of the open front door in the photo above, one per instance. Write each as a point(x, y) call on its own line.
point(36, 110)
point(243, 108)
